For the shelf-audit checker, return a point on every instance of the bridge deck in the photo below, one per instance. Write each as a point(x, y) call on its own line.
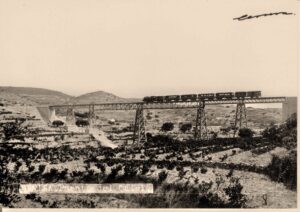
point(170, 105)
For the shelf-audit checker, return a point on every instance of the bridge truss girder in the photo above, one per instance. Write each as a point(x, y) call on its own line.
point(172, 105)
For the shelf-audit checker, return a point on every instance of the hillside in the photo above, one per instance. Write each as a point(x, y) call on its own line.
point(32, 96)
point(41, 96)
point(100, 97)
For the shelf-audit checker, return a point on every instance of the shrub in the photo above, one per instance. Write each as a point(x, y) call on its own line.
point(203, 170)
point(81, 123)
point(224, 157)
point(170, 166)
point(186, 127)
point(42, 168)
point(284, 169)
point(12, 130)
point(57, 123)
point(233, 152)
point(167, 126)
point(291, 122)
point(271, 133)
point(246, 133)
point(162, 176)
point(234, 192)
point(31, 168)
point(195, 168)
point(230, 173)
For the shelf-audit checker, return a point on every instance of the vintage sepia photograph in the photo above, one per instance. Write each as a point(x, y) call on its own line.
point(148, 104)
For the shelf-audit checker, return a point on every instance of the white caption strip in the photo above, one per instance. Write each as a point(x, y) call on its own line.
point(109, 188)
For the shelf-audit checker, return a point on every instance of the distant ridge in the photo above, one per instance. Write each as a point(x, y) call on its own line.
point(33, 96)
point(100, 97)
point(41, 96)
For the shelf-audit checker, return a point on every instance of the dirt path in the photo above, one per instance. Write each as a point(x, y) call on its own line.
point(100, 136)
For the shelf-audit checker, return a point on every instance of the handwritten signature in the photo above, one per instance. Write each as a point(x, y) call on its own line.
point(245, 17)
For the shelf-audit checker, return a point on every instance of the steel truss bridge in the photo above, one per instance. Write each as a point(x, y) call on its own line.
point(139, 134)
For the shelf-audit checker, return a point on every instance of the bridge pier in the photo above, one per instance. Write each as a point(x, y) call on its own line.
point(240, 116)
point(201, 126)
point(52, 114)
point(139, 134)
point(70, 117)
point(91, 114)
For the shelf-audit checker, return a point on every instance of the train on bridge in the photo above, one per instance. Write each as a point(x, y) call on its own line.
point(205, 97)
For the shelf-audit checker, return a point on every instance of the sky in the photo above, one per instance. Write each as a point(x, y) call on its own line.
point(135, 48)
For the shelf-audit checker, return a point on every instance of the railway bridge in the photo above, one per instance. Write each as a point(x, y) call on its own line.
point(139, 134)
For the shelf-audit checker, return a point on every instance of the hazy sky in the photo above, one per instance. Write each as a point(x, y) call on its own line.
point(135, 48)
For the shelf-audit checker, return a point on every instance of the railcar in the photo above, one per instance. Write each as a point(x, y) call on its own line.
point(240, 94)
point(188, 97)
point(253, 94)
point(172, 98)
point(225, 95)
point(206, 96)
point(153, 99)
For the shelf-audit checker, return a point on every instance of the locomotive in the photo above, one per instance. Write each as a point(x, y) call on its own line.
point(205, 96)
point(189, 97)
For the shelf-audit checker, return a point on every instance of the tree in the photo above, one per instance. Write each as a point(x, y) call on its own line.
point(186, 127)
point(246, 133)
point(167, 126)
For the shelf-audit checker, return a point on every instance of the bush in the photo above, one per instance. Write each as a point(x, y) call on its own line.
point(12, 130)
point(167, 126)
point(203, 170)
point(246, 133)
point(195, 168)
point(42, 168)
point(271, 133)
point(291, 122)
point(57, 123)
point(186, 127)
point(233, 152)
point(234, 192)
point(81, 123)
point(162, 176)
point(284, 169)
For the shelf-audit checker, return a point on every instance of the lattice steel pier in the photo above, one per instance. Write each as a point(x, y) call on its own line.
point(139, 133)
point(201, 127)
point(240, 116)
